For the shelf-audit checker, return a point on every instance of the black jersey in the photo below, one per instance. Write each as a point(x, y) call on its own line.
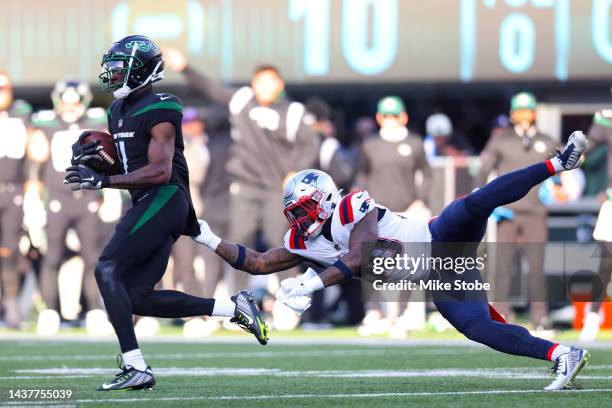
point(130, 123)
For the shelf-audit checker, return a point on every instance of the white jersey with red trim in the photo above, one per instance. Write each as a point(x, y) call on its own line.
point(333, 242)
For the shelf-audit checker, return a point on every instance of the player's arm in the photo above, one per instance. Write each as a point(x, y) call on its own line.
point(366, 230)
point(257, 263)
point(246, 259)
point(159, 167)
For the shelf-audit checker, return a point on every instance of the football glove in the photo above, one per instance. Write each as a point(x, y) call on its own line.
point(83, 153)
point(304, 286)
point(206, 237)
point(299, 304)
point(85, 178)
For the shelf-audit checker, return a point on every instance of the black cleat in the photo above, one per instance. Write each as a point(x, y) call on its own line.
point(247, 316)
point(129, 379)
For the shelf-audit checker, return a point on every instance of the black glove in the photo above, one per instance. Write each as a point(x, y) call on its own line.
point(85, 178)
point(83, 153)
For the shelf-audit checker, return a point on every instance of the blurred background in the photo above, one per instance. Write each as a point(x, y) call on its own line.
point(417, 102)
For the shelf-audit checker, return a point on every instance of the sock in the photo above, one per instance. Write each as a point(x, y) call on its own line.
point(134, 358)
point(557, 350)
point(224, 307)
point(554, 166)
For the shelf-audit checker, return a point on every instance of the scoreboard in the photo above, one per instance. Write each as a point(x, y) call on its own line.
point(320, 40)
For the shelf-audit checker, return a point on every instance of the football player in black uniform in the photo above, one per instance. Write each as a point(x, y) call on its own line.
point(146, 127)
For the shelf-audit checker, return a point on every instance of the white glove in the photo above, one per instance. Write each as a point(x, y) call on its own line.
point(306, 285)
point(206, 237)
point(299, 304)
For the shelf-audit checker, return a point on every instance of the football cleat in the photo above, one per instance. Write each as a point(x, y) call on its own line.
point(570, 157)
point(129, 379)
point(247, 316)
point(566, 367)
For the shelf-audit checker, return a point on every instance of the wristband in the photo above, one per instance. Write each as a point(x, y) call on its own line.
point(241, 255)
point(346, 271)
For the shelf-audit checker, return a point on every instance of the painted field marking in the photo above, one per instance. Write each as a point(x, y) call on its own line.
point(304, 396)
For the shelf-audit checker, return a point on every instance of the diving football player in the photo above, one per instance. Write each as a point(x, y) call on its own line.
point(329, 233)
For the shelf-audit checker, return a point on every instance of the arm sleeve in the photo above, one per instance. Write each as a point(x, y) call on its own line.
point(211, 89)
point(488, 159)
point(423, 165)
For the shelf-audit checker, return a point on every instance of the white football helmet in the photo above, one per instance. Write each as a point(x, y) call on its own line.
point(310, 198)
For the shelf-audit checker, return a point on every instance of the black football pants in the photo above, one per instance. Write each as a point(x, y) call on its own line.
point(135, 259)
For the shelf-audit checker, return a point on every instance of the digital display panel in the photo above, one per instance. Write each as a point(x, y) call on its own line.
point(320, 40)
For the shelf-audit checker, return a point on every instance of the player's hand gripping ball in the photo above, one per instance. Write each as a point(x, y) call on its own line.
point(97, 150)
point(83, 177)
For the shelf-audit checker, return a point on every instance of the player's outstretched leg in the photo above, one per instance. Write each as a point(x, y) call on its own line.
point(513, 186)
point(473, 319)
point(464, 220)
point(241, 307)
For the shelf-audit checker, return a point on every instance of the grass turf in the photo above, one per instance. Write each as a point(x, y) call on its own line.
point(301, 373)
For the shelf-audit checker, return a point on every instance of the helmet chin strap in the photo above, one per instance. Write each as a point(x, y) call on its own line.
point(125, 90)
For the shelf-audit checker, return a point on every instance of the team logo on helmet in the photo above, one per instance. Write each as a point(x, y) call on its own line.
point(311, 178)
point(143, 46)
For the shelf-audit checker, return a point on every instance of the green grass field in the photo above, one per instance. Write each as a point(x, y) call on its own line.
point(304, 372)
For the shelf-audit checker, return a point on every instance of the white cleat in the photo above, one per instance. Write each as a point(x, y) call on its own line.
point(566, 368)
point(569, 157)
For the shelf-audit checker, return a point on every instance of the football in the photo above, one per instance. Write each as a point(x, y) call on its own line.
point(110, 164)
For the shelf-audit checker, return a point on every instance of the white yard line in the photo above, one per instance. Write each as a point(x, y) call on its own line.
point(157, 398)
point(191, 356)
point(501, 373)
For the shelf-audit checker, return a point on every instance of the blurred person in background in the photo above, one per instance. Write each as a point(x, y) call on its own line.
point(441, 140)
point(184, 252)
point(340, 162)
point(67, 209)
point(525, 220)
point(601, 135)
point(390, 163)
point(499, 126)
point(273, 139)
point(336, 159)
point(392, 157)
point(14, 123)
